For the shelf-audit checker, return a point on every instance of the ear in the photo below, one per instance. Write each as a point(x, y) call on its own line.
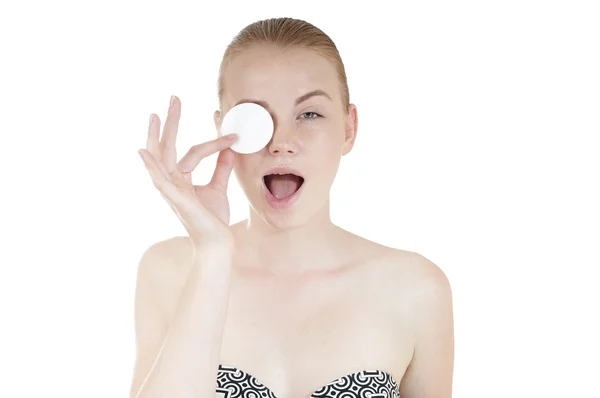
point(217, 119)
point(350, 129)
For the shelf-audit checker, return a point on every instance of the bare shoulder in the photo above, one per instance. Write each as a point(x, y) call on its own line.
point(162, 270)
point(173, 248)
point(159, 277)
point(422, 298)
point(419, 293)
point(166, 256)
point(426, 276)
point(430, 371)
point(408, 268)
point(408, 278)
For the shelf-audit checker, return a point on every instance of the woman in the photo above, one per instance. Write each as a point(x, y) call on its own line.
point(284, 304)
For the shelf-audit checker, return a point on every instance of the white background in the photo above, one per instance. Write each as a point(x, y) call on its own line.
point(477, 147)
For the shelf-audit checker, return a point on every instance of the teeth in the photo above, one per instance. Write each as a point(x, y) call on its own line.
point(279, 174)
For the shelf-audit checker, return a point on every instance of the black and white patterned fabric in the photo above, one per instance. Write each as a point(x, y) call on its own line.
point(235, 383)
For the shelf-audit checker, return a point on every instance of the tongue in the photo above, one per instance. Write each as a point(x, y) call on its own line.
point(282, 186)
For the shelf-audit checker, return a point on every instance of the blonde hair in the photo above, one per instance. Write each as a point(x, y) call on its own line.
point(286, 33)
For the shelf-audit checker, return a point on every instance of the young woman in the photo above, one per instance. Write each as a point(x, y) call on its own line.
point(285, 303)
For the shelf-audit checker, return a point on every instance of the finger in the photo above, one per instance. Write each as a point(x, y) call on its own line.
point(225, 162)
point(157, 173)
point(152, 143)
point(161, 180)
point(169, 136)
point(181, 204)
point(198, 152)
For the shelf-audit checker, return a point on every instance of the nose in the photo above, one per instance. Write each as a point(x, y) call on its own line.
point(282, 143)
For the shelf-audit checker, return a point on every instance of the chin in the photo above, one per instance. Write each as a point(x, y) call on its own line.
point(283, 219)
point(288, 216)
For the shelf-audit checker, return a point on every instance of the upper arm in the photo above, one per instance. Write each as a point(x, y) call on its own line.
point(154, 302)
point(429, 374)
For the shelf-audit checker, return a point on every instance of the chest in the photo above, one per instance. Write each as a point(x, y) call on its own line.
point(296, 335)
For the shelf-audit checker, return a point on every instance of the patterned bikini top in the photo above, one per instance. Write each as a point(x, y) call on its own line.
point(235, 383)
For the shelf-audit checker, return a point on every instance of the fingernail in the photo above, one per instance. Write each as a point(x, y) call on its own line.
point(230, 136)
point(172, 101)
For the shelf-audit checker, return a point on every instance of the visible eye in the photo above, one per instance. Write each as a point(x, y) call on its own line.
point(311, 113)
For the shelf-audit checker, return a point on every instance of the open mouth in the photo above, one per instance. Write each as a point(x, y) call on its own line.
point(282, 186)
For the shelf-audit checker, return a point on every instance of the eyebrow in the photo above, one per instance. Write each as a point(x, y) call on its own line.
point(299, 100)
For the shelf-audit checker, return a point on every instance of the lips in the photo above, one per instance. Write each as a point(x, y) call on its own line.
point(282, 186)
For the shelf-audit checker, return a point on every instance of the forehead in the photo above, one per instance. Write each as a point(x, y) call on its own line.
point(268, 73)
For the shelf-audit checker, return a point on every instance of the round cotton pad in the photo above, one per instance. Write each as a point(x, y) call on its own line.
point(253, 125)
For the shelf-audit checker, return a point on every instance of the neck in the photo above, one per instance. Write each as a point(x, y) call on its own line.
point(268, 247)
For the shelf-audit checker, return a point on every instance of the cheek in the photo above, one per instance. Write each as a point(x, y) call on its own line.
point(326, 153)
point(245, 166)
point(330, 141)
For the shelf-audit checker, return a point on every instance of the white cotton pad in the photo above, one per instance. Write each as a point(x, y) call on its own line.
point(253, 125)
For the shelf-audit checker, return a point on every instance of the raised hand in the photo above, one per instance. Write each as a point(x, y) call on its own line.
point(203, 210)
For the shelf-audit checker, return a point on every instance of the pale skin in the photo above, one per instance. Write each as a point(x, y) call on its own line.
point(311, 302)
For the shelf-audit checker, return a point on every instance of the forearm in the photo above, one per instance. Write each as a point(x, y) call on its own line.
point(187, 364)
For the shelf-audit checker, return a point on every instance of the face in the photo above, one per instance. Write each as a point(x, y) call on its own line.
point(309, 136)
